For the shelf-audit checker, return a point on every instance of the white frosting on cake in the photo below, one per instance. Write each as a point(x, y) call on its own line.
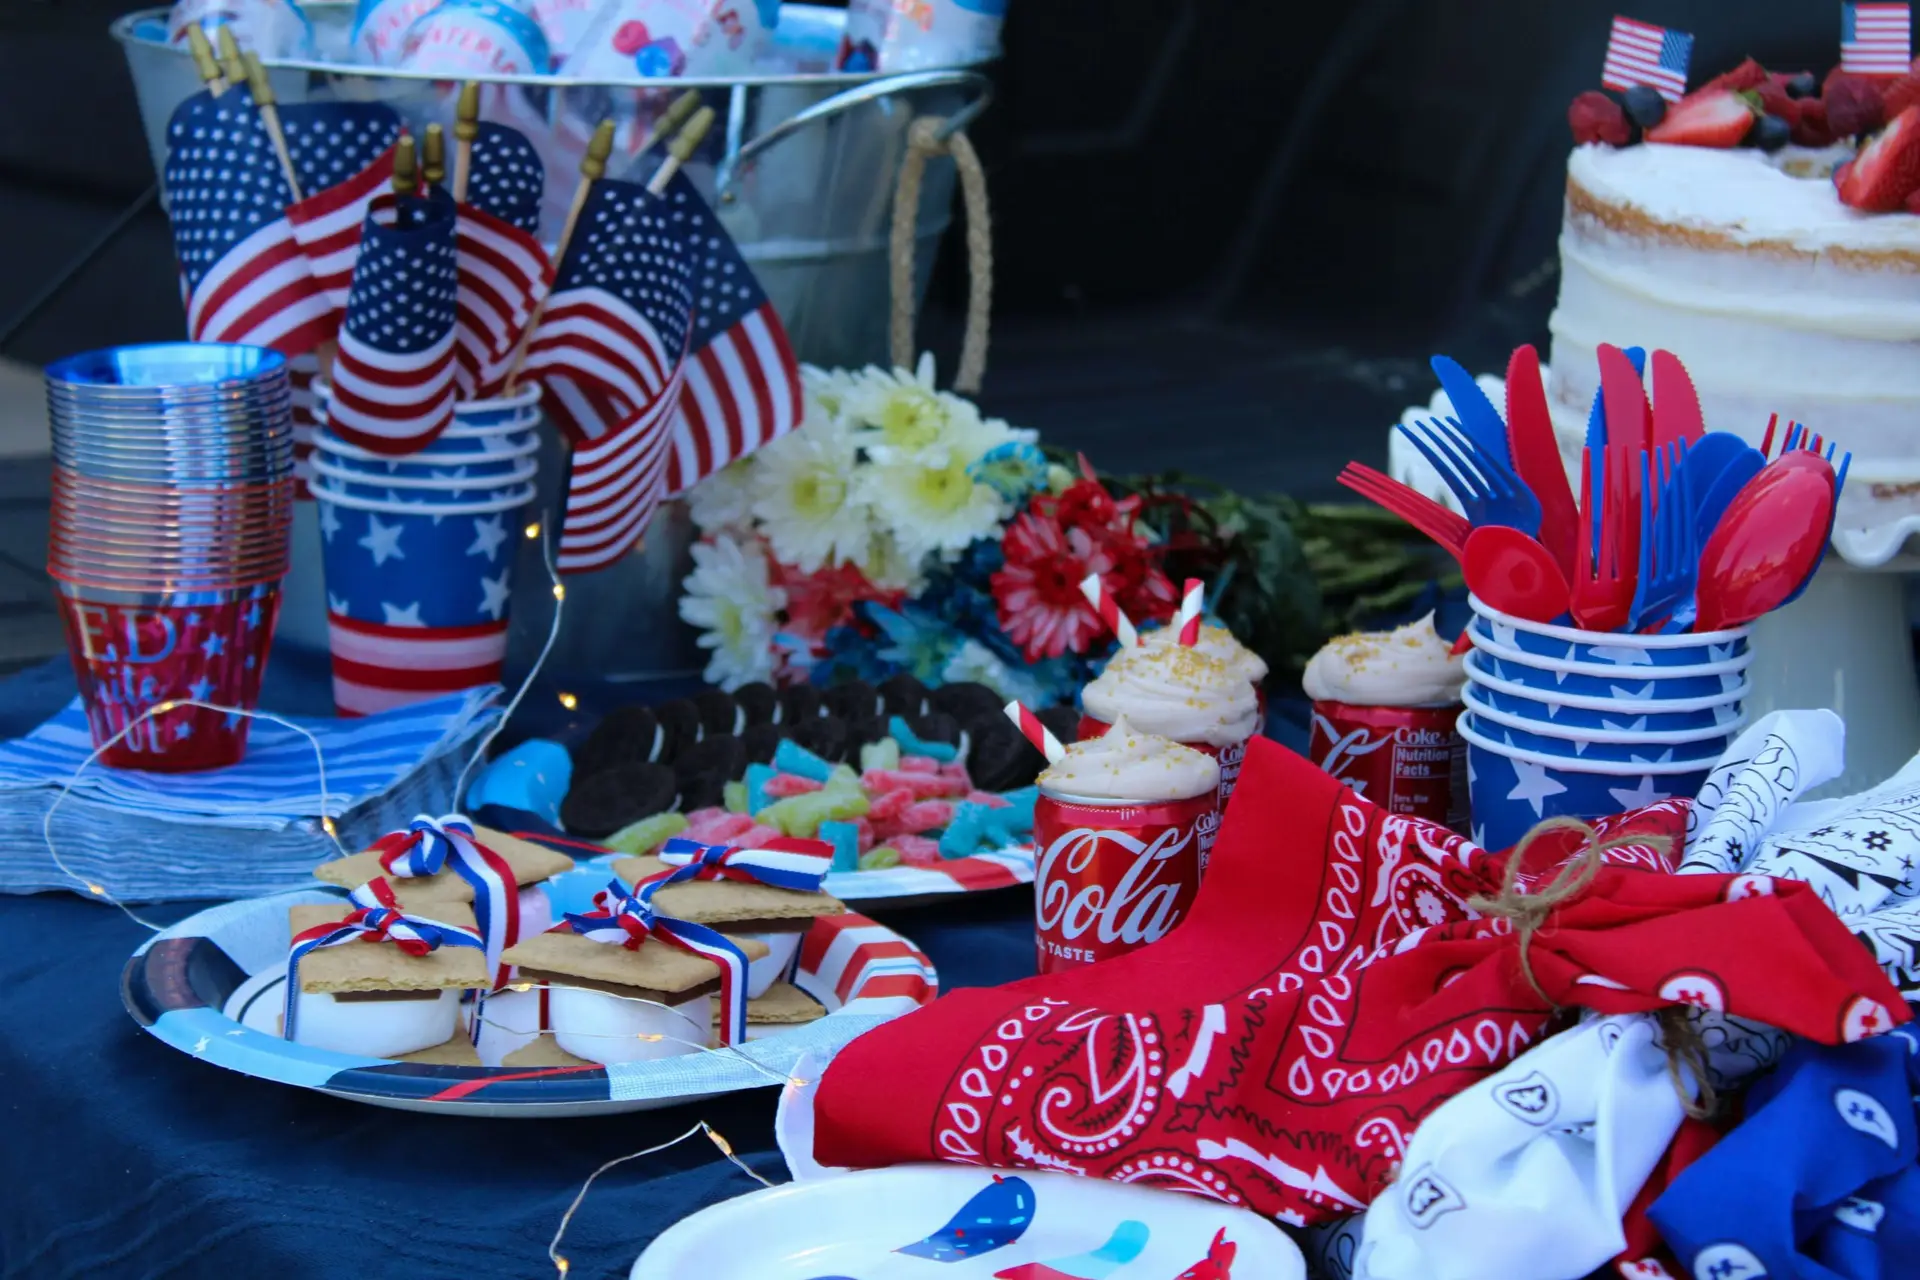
point(1777, 297)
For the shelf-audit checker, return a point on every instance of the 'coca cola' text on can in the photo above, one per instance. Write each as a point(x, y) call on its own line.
point(1407, 760)
point(1232, 758)
point(1113, 875)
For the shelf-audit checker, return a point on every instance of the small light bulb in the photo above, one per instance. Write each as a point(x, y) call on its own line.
point(568, 701)
point(559, 592)
point(561, 1263)
point(326, 825)
point(164, 707)
point(726, 1148)
point(96, 890)
point(533, 530)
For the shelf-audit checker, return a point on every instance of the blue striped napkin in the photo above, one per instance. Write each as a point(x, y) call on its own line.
point(278, 781)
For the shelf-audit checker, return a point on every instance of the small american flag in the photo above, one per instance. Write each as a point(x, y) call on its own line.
point(242, 272)
point(503, 275)
point(301, 371)
point(505, 177)
point(1875, 39)
point(743, 384)
point(619, 322)
point(393, 385)
point(343, 152)
point(1638, 53)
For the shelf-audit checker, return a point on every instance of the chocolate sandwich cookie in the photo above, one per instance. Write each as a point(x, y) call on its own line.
point(861, 732)
point(1062, 721)
point(600, 805)
point(759, 700)
point(999, 757)
point(680, 721)
point(935, 726)
point(903, 695)
point(798, 703)
point(719, 713)
point(762, 740)
point(966, 701)
point(625, 735)
point(825, 736)
point(703, 771)
point(854, 700)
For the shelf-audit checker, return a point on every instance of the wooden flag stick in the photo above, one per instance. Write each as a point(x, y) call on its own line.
point(263, 102)
point(685, 143)
point(593, 168)
point(466, 127)
point(231, 64)
point(201, 50)
point(670, 120)
point(406, 176)
point(433, 156)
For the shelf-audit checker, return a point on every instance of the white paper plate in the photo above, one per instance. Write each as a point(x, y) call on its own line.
point(955, 1222)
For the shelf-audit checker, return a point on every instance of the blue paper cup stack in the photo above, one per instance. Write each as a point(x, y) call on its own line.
point(418, 552)
point(1565, 722)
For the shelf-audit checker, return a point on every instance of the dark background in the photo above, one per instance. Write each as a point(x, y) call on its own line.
point(1227, 233)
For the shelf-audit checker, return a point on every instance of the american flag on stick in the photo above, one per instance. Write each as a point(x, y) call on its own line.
point(1876, 39)
point(503, 275)
point(644, 278)
point(242, 273)
point(619, 321)
point(393, 388)
point(505, 176)
point(343, 152)
point(1641, 53)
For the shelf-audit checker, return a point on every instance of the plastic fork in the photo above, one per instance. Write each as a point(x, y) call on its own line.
point(1669, 551)
point(1486, 486)
point(1447, 528)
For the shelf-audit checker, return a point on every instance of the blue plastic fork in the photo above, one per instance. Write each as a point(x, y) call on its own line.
point(1669, 548)
point(1487, 487)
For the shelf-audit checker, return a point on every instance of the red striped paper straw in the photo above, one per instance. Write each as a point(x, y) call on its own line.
point(1109, 610)
point(1192, 603)
point(1030, 728)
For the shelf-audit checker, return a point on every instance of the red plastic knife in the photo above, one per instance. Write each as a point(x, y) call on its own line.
point(1676, 406)
point(1536, 456)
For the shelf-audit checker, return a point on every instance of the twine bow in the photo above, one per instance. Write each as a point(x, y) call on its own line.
point(627, 920)
point(783, 863)
point(1528, 912)
point(377, 917)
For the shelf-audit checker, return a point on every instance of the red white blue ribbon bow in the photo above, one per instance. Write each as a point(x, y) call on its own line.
point(377, 917)
point(627, 920)
point(431, 845)
point(783, 862)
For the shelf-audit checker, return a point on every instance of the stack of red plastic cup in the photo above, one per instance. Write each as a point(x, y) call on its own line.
point(172, 500)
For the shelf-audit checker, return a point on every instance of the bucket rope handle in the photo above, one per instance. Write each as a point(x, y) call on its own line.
point(927, 137)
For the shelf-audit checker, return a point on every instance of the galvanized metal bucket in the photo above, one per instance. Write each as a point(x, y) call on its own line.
point(802, 172)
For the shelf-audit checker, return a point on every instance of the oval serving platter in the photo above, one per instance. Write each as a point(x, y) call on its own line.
point(212, 986)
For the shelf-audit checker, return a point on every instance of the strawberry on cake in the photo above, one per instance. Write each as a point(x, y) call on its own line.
point(1763, 229)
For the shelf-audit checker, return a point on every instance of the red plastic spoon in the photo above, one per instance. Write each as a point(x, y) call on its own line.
point(1515, 574)
point(1773, 533)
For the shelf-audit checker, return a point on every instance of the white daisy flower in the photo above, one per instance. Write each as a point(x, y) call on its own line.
point(724, 500)
point(809, 497)
point(730, 598)
point(930, 501)
point(904, 410)
point(826, 388)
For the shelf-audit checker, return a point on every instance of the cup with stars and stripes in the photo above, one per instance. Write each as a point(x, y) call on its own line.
point(171, 501)
point(419, 566)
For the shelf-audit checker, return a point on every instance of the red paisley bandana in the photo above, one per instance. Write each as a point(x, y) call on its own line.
point(1329, 988)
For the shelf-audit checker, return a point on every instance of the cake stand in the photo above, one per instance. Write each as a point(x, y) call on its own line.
point(1845, 645)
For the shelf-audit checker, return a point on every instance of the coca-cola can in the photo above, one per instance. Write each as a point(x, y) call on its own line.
point(1231, 757)
point(1113, 875)
point(1407, 760)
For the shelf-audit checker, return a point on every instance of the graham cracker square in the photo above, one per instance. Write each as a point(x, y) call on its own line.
point(544, 1051)
point(720, 902)
point(784, 1004)
point(382, 966)
point(654, 967)
point(457, 1052)
point(531, 863)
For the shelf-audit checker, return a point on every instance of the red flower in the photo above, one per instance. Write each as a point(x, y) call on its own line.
point(1041, 608)
point(820, 601)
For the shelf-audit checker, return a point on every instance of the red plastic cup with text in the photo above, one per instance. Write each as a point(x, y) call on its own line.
point(1113, 875)
point(1407, 760)
point(1232, 758)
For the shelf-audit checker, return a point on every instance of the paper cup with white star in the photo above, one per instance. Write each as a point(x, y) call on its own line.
point(1621, 738)
point(1561, 711)
point(1513, 787)
point(417, 593)
point(1721, 674)
point(1620, 649)
point(488, 458)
